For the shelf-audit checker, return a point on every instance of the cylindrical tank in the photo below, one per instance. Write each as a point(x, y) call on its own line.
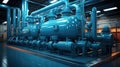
point(63, 27)
point(31, 30)
point(65, 45)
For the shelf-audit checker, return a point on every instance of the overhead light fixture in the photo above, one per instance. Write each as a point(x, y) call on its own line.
point(5, 22)
point(53, 1)
point(5, 1)
point(98, 11)
point(109, 9)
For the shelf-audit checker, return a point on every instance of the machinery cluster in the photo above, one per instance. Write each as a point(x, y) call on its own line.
point(64, 34)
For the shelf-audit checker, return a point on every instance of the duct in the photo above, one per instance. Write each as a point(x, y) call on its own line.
point(94, 20)
point(50, 7)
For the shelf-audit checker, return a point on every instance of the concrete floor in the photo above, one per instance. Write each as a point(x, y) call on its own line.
point(15, 57)
point(114, 63)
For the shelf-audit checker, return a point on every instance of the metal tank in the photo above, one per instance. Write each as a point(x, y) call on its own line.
point(32, 28)
point(66, 26)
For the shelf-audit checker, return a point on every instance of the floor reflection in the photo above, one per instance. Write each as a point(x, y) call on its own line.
point(4, 61)
point(114, 63)
point(15, 58)
point(3, 57)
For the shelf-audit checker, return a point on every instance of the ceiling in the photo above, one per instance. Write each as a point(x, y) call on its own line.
point(37, 4)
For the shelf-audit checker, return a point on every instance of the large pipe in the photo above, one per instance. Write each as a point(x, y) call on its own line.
point(14, 21)
point(94, 23)
point(24, 11)
point(51, 15)
point(8, 23)
point(80, 13)
point(50, 7)
point(77, 8)
point(41, 21)
point(83, 27)
point(82, 16)
point(18, 20)
point(8, 19)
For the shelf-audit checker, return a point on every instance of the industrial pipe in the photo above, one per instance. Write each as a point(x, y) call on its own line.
point(50, 7)
point(8, 19)
point(78, 13)
point(14, 21)
point(41, 21)
point(18, 20)
point(82, 17)
point(51, 15)
point(82, 10)
point(77, 8)
point(8, 23)
point(24, 12)
point(94, 21)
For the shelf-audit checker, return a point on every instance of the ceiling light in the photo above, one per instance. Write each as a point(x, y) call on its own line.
point(53, 1)
point(98, 11)
point(109, 9)
point(5, 1)
point(5, 22)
